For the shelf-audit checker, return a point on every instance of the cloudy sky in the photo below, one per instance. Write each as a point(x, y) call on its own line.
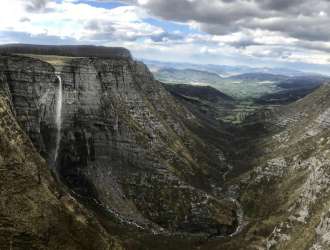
point(291, 33)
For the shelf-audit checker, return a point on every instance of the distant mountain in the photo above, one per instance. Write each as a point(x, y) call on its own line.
point(191, 76)
point(286, 96)
point(308, 81)
point(201, 92)
point(265, 88)
point(259, 77)
point(157, 65)
point(207, 103)
point(223, 70)
point(280, 71)
point(293, 89)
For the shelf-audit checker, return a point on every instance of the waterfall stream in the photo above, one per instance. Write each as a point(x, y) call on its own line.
point(240, 217)
point(58, 118)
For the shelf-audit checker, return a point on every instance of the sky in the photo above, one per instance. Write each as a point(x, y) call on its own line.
point(270, 33)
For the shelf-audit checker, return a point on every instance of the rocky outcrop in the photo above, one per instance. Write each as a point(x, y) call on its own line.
point(66, 50)
point(153, 167)
point(35, 213)
point(125, 143)
point(286, 191)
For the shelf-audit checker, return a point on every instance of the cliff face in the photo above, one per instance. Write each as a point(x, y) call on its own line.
point(66, 50)
point(207, 103)
point(125, 143)
point(286, 191)
point(34, 212)
point(148, 165)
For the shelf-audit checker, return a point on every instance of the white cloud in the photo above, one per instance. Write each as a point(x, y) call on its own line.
point(69, 19)
point(220, 30)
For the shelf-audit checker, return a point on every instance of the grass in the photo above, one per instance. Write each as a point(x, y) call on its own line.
point(54, 60)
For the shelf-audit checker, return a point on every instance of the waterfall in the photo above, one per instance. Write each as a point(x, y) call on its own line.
point(58, 118)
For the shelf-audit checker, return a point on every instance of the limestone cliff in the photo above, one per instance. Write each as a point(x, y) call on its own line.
point(35, 213)
point(126, 145)
point(66, 50)
point(286, 190)
point(122, 157)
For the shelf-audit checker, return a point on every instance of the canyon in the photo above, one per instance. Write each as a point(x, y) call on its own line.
point(97, 154)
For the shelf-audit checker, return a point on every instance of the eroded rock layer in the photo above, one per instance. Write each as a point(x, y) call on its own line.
point(35, 213)
point(152, 167)
point(125, 145)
